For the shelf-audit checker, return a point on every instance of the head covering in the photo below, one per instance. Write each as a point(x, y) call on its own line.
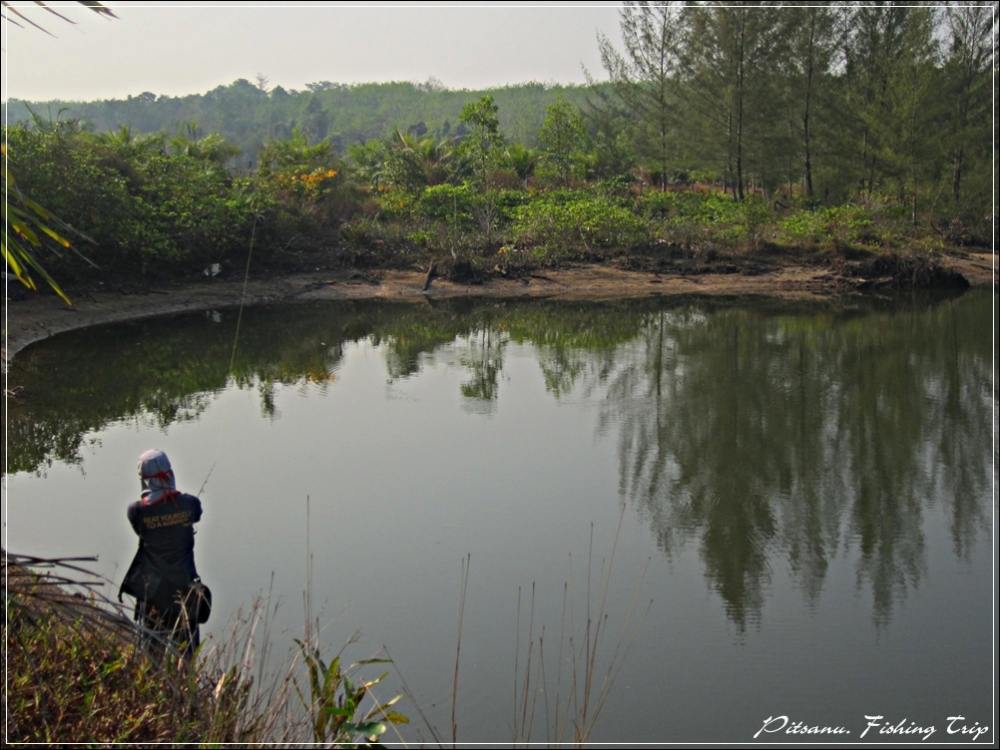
point(157, 477)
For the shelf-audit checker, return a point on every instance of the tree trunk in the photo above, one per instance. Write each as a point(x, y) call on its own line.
point(739, 113)
point(957, 177)
point(808, 107)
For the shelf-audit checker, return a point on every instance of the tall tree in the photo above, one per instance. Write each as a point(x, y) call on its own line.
point(973, 33)
point(889, 61)
point(643, 76)
point(483, 147)
point(814, 37)
point(483, 142)
point(729, 65)
point(562, 140)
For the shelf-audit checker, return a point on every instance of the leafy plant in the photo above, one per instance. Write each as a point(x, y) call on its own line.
point(30, 229)
point(846, 224)
point(449, 203)
point(577, 226)
point(335, 700)
point(563, 141)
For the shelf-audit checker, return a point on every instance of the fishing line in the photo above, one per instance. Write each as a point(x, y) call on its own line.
point(239, 321)
point(243, 296)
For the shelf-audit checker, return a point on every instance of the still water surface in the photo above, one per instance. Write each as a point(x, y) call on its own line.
point(790, 505)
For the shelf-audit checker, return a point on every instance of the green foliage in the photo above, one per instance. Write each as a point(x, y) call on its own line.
point(509, 201)
point(691, 217)
point(368, 161)
point(846, 224)
point(577, 226)
point(449, 203)
point(482, 145)
point(396, 204)
point(346, 114)
point(706, 208)
point(335, 701)
point(522, 160)
point(562, 142)
point(212, 148)
point(304, 187)
point(30, 228)
point(295, 155)
point(413, 163)
point(148, 202)
point(142, 204)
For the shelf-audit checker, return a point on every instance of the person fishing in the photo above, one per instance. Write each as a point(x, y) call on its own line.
point(170, 599)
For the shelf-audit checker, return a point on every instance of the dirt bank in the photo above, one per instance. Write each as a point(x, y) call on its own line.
point(42, 315)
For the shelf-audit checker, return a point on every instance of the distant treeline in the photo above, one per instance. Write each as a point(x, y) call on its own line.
point(250, 114)
point(838, 99)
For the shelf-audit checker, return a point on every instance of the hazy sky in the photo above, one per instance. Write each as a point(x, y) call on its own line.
point(191, 48)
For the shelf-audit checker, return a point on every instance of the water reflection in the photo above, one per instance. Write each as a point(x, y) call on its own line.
point(766, 434)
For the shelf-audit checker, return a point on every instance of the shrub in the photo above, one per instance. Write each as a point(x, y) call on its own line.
point(567, 226)
point(689, 217)
point(396, 204)
point(847, 224)
point(144, 205)
point(449, 203)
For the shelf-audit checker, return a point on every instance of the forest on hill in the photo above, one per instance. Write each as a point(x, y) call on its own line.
point(249, 114)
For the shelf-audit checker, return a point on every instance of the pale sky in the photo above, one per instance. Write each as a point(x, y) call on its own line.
point(185, 48)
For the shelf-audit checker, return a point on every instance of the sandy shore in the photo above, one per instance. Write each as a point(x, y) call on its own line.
point(43, 315)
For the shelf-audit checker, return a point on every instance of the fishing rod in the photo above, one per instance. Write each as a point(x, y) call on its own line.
point(207, 477)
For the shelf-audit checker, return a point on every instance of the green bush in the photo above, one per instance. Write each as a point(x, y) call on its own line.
point(707, 208)
point(848, 224)
point(691, 217)
point(577, 226)
point(449, 203)
point(396, 204)
point(509, 201)
point(143, 205)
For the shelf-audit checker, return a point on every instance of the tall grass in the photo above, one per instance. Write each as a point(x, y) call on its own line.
point(587, 663)
point(78, 672)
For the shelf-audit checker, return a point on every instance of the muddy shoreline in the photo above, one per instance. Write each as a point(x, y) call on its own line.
point(42, 315)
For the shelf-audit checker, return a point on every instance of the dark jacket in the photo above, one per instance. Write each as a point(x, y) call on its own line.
point(164, 564)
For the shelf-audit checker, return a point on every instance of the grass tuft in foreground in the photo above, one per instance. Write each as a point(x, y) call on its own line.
point(76, 673)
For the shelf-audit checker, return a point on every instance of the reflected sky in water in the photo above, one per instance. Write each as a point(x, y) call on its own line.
point(784, 509)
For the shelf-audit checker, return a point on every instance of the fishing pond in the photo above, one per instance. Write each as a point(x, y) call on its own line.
point(659, 519)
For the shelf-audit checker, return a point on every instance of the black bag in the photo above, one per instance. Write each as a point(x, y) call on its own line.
point(198, 601)
point(146, 583)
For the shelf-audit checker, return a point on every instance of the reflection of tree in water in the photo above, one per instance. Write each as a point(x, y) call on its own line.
point(579, 345)
point(692, 404)
point(482, 355)
point(157, 372)
point(761, 433)
point(958, 425)
point(168, 370)
point(914, 427)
